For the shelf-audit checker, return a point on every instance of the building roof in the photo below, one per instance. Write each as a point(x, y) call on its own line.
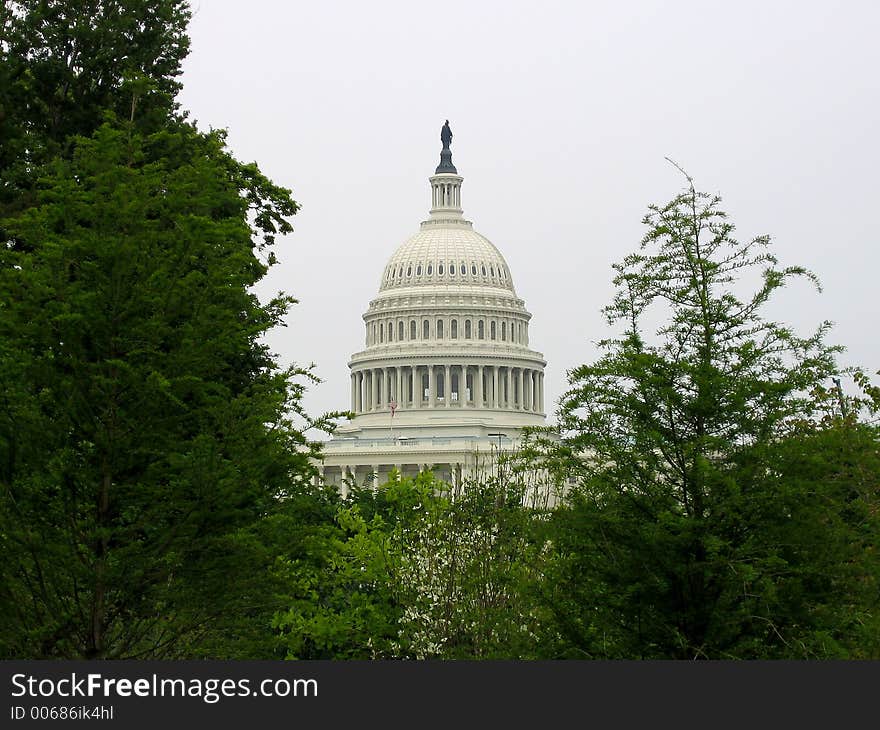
point(446, 253)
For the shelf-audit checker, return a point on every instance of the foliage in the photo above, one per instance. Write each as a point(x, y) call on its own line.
point(412, 573)
point(715, 516)
point(144, 422)
point(344, 600)
point(64, 64)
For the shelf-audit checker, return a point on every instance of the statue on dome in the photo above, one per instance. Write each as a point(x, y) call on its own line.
point(446, 135)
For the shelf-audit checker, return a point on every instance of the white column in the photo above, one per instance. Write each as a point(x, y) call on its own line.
point(494, 386)
point(398, 387)
point(540, 392)
point(432, 388)
point(353, 392)
point(416, 398)
point(478, 387)
point(374, 388)
point(447, 387)
point(462, 386)
point(520, 381)
point(508, 377)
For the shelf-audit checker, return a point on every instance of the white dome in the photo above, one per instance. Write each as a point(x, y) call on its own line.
point(446, 339)
point(449, 254)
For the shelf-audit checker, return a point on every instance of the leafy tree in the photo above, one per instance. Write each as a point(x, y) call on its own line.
point(715, 515)
point(150, 466)
point(411, 573)
point(344, 599)
point(65, 63)
point(144, 423)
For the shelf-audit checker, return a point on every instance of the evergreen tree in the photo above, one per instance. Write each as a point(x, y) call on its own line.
point(715, 515)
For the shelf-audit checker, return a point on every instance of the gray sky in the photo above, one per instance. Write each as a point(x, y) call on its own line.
point(562, 113)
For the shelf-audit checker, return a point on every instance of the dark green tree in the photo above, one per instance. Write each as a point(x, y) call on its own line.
point(144, 424)
point(65, 63)
point(150, 465)
point(715, 515)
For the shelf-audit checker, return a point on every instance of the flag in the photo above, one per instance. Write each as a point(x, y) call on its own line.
point(393, 405)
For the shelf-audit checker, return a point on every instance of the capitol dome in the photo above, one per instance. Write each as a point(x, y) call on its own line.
point(446, 370)
point(447, 256)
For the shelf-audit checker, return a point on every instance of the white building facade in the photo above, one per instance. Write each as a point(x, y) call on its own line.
point(446, 376)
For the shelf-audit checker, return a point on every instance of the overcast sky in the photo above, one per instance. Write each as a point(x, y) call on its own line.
point(562, 114)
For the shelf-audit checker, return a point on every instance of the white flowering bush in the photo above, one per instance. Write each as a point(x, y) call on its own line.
point(464, 574)
point(410, 572)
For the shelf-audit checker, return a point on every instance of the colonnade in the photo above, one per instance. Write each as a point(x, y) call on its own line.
point(373, 476)
point(448, 386)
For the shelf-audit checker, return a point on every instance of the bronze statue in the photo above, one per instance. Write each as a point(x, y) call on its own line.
point(446, 135)
point(446, 153)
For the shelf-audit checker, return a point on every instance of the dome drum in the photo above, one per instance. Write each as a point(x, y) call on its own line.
point(444, 329)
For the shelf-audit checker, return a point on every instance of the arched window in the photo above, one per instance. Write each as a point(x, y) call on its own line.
point(409, 270)
point(463, 269)
point(453, 329)
point(400, 330)
point(391, 331)
point(426, 329)
point(467, 329)
point(483, 269)
point(374, 333)
point(419, 270)
point(492, 330)
point(440, 269)
point(492, 270)
point(503, 331)
point(452, 268)
point(473, 269)
point(430, 269)
point(439, 329)
point(481, 330)
point(412, 329)
point(381, 332)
